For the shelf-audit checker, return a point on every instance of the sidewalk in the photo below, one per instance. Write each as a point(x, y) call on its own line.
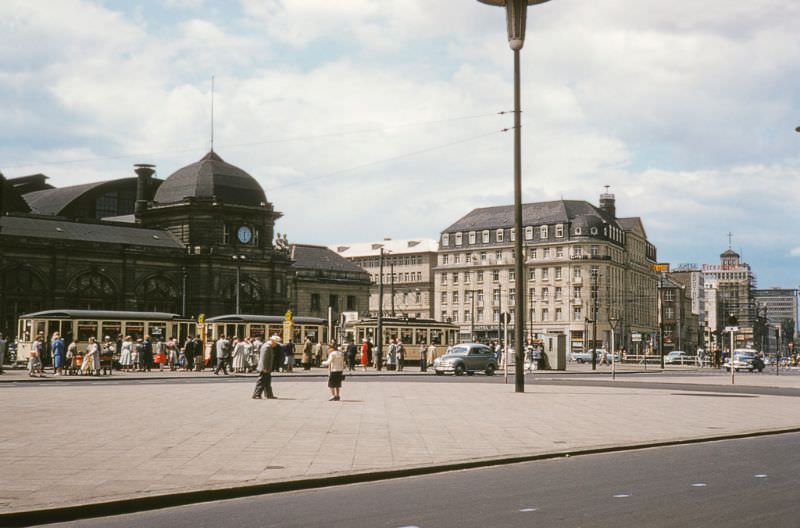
point(67, 444)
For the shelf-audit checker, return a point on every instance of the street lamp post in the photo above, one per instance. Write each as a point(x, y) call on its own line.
point(379, 333)
point(613, 321)
point(238, 260)
point(516, 15)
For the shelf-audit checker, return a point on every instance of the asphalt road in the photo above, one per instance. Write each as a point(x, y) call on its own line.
point(735, 483)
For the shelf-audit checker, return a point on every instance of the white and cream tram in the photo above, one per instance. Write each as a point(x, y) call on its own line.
point(80, 325)
point(287, 327)
point(413, 333)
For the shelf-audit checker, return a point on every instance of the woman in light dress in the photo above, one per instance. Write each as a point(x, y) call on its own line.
point(126, 354)
point(91, 359)
point(238, 354)
point(172, 354)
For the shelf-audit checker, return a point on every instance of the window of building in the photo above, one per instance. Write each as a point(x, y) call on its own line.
point(445, 239)
point(498, 255)
point(315, 302)
point(483, 256)
point(480, 277)
point(444, 316)
point(545, 293)
point(472, 237)
point(545, 314)
point(578, 231)
point(455, 297)
point(480, 316)
point(545, 274)
point(512, 275)
point(457, 258)
point(543, 232)
point(532, 253)
point(559, 252)
point(496, 315)
point(669, 295)
point(669, 312)
point(444, 279)
point(532, 275)
point(512, 294)
point(576, 272)
point(577, 251)
point(529, 233)
point(226, 234)
point(445, 259)
point(558, 273)
point(595, 251)
point(558, 314)
point(485, 236)
point(444, 298)
point(458, 239)
point(455, 278)
point(480, 296)
point(454, 316)
point(559, 230)
point(558, 293)
point(577, 292)
point(532, 294)
point(512, 234)
point(352, 303)
point(546, 253)
point(467, 315)
point(577, 313)
point(593, 230)
point(467, 277)
point(499, 235)
point(495, 275)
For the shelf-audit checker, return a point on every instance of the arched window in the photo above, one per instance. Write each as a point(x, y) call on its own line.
point(157, 294)
point(251, 297)
point(92, 291)
point(22, 291)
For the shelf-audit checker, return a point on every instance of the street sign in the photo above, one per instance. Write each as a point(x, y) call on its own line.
point(636, 337)
point(731, 328)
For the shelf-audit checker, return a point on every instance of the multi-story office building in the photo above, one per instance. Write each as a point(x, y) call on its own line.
point(583, 266)
point(777, 305)
point(679, 325)
point(407, 274)
point(728, 288)
point(691, 277)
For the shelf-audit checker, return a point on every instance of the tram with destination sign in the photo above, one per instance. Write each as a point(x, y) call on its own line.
point(411, 332)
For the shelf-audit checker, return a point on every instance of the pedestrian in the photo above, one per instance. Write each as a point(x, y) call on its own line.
point(199, 354)
point(317, 353)
point(307, 349)
point(72, 353)
point(35, 359)
point(172, 354)
point(378, 356)
point(107, 351)
point(364, 355)
point(3, 350)
point(289, 352)
point(239, 355)
point(430, 355)
point(126, 354)
point(265, 366)
point(255, 351)
point(352, 350)
point(423, 358)
point(91, 363)
point(159, 357)
point(391, 356)
point(223, 347)
point(335, 364)
point(136, 354)
point(401, 355)
point(57, 347)
point(146, 358)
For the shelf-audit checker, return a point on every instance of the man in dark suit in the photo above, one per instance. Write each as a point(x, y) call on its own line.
point(265, 359)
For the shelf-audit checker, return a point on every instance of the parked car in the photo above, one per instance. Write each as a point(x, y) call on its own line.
point(467, 358)
point(679, 357)
point(586, 356)
point(745, 360)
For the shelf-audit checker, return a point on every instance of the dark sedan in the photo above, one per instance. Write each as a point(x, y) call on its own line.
point(467, 358)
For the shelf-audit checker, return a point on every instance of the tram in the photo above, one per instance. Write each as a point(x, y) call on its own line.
point(412, 333)
point(287, 327)
point(80, 325)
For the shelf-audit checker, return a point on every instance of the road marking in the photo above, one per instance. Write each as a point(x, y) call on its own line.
point(621, 496)
point(525, 510)
point(760, 475)
point(699, 485)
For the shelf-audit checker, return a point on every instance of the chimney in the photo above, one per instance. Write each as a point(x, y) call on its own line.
point(607, 203)
point(144, 186)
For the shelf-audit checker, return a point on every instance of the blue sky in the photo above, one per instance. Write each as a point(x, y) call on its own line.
point(371, 118)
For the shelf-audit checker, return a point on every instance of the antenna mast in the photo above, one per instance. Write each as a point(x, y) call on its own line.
point(212, 113)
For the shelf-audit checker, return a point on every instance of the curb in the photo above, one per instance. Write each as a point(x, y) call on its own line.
point(139, 504)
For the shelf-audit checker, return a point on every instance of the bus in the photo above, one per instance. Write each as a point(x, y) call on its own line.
point(411, 332)
point(80, 325)
point(287, 327)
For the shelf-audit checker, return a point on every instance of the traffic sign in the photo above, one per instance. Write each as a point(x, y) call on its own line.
point(731, 328)
point(636, 337)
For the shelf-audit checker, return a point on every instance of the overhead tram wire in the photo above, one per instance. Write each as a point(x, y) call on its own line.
point(255, 143)
point(386, 160)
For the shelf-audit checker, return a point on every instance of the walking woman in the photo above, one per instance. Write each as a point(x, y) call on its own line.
point(126, 354)
point(91, 363)
point(364, 355)
point(239, 355)
point(335, 364)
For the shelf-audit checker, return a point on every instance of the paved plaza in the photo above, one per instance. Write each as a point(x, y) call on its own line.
point(71, 443)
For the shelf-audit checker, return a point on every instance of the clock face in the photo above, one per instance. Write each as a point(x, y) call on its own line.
point(244, 234)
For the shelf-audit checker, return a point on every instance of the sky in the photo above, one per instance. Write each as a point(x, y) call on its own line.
point(365, 119)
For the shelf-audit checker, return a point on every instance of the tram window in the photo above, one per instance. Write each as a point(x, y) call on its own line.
point(135, 330)
point(53, 326)
point(87, 329)
point(173, 330)
point(257, 331)
point(436, 336)
point(312, 334)
point(406, 336)
point(422, 336)
point(111, 329)
point(39, 327)
point(158, 331)
point(276, 330)
point(297, 337)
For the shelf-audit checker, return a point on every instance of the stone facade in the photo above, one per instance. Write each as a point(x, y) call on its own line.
point(728, 288)
point(583, 266)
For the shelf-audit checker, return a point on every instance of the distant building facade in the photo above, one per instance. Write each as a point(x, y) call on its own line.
point(582, 265)
point(728, 289)
point(407, 274)
point(679, 325)
point(776, 305)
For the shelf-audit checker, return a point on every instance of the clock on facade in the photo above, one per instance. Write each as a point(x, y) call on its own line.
point(244, 234)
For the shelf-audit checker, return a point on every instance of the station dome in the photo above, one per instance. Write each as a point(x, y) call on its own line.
point(211, 177)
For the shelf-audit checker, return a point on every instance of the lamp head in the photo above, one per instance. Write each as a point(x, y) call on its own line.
point(516, 14)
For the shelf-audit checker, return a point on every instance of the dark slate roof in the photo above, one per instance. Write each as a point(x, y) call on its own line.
point(245, 318)
point(30, 183)
point(561, 211)
point(633, 223)
point(730, 253)
point(53, 201)
point(321, 258)
point(211, 177)
point(106, 233)
point(12, 201)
